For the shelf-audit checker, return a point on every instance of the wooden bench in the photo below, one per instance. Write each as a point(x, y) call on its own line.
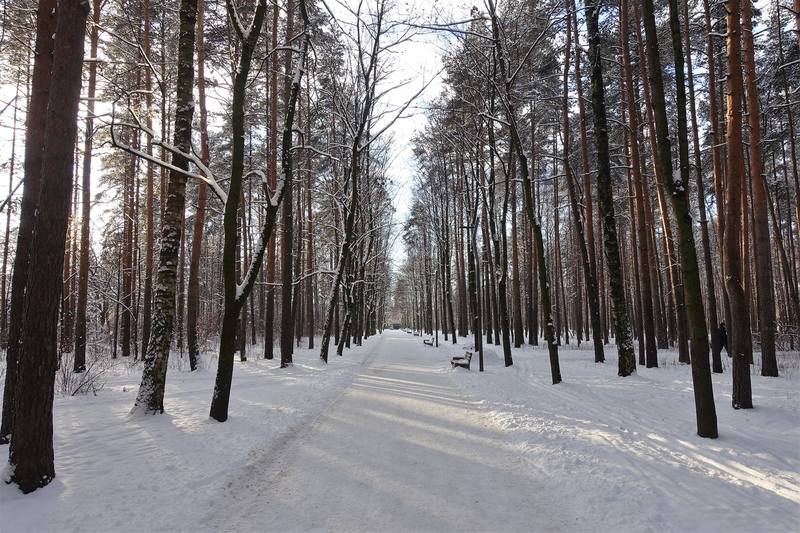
point(428, 342)
point(462, 362)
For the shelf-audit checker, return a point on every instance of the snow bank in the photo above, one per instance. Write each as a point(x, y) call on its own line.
point(116, 472)
point(622, 453)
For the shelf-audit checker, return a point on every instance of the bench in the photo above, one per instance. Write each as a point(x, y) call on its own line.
point(428, 342)
point(462, 362)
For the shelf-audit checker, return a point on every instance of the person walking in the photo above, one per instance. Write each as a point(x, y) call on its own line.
point(722, 334)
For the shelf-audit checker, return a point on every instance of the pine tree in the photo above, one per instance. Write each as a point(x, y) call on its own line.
point(31, 450)
point(150, 398)
point(627, 359)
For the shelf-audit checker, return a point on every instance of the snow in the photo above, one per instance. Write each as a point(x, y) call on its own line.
point(390, 437)
point(117, 472)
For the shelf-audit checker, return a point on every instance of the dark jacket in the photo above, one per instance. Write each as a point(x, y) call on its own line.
point(723, 337)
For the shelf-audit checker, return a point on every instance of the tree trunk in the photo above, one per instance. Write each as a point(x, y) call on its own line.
point(34, 140)
point(761, 240)
point(149, 222)
point(516, 298)
point(31, 451)
point(741, 397)
point(235, 293)
point(711, 296)
point(287, 317)
point(587, 186)
point(67, 316)
point(627, 359)
point(150, 398)
point(86, 199)
point(646, 282)
point(127, 249)
point(586, 261)
point(272, 180)
point(309, 283)
point(674, 319)
point(498, 236)
point(677, 189)
point(544, 281)
point(193, 291)
point(718, 166)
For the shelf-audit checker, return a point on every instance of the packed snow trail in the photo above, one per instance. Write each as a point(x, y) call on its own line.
point(390, 438)
point(400, 449)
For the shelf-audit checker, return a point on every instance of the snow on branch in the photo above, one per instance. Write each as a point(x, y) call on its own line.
point(244, 288)
point(205, 175)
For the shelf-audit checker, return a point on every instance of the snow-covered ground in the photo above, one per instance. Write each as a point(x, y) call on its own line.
point(389, 437)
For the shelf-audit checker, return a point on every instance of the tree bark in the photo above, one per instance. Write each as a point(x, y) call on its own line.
point(645, 280)
point(309, 283)
point(587, 186)
point(34, 140)
point(147, 313)
point(272, 180)
point(79, 364)
point(236, 293)
point(711, 296)
point(690, 272)
point(717, 161)
point(586, 261)
point(127, 249)
point(287, 317)
point(761, 240)
point(627, 359)
point(150, 398)
point(516, 293)
point(31, 452)
point(741, 397)
point(674, 317)
point(193, 291)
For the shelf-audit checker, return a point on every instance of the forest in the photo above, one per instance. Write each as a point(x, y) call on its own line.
point(597, 194)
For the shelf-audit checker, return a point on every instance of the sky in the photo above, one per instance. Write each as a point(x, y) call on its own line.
point(418, 60)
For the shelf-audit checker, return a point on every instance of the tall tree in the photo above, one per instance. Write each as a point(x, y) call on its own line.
point(711, 296)
point(147, 303)
point(533, 219)
point(646, 281)
point(193, 291)
point(236, 293)
point(31, 456)
point(677, 187)
point(150, 398)
point(761, 238)
point(690, 272)
point(586, 259)
point(587, 188)
point(287, 241)
point(627, 359)
point(79, 363)
point(742, 396)
point(272, 180)
point(34, 140)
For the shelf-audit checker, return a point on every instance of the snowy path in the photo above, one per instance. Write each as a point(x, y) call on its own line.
point(400, 449)
point(390, 438)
